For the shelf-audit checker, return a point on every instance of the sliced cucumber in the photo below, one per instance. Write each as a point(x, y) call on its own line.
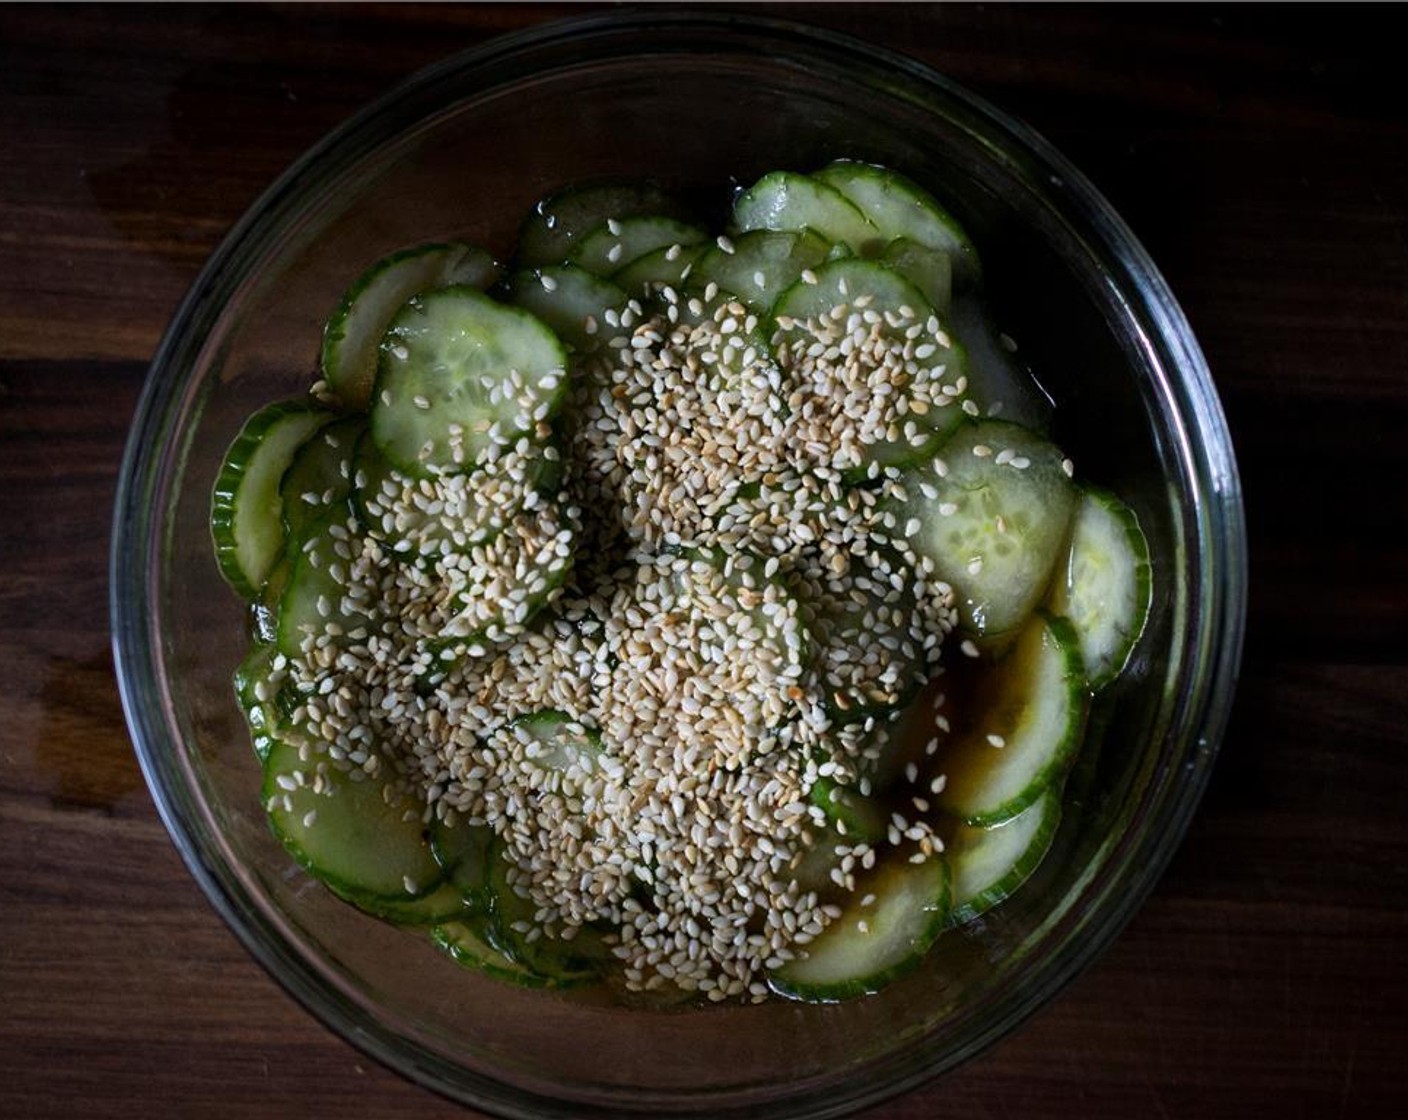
point(761, 264)
point(497, 588)
point(748, 609)
point(1105, 587)
point(855, 817)
point(460, 377)
point(898, 207)
point(320, 476)
point(314, 600)
point(670, 266)
point(583, 309)
point(556, 223)
point(260, 714)
point(350, 340)
point(462, 849)
point(1019, 729)
point(860, 613)
point(246, 508)
point(514, 928)
point(999, 385)
point(361, 836)
point(843, 292)
point(443, 903)
point(991, 515)
point(617, 243)
point(786, 200)
point(874, 942)
point(989, 864)
point(466, 942)
point(563, 750)
point(454, 512)
point(929, 270)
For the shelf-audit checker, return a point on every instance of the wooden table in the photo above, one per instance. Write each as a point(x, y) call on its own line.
point(1262, 156)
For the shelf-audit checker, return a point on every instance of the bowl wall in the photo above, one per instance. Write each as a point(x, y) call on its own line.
point(702, 105)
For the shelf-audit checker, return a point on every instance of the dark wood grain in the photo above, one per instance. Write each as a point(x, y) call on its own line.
point(1261, 155)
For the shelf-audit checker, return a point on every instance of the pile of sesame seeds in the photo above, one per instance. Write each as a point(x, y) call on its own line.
point(709, 599)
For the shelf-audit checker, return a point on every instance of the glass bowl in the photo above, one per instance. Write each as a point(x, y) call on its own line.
point(702, 103)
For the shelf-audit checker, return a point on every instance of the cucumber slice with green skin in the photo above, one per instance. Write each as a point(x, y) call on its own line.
point(854, 288)
point(558, 222)
point(316, 592)
point(1020, 729)
point(855, 817)
point(320, 476)
point(898, 207)
point(462, 849)
point(750, 609)
point(452, 512)
point(993, 524)
point(668, 267)
point(989, 864)
point(350, 340)
point(787, 200)
point(869, 650)
point(870, 946)
point(762, 264)
point(513, 928)
point(443, 903)
point(616, 243)
point(564, 750)
point(361, 837)
point(582, 309)
point(246, 507)
point(260, 714)
point(460, 378)
point(467, 944)
point(1105, 588)
point(999, 384)
point(812, 871)
point(929, 270)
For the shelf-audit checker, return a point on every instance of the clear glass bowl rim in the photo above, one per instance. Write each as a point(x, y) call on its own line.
point(1214, 642)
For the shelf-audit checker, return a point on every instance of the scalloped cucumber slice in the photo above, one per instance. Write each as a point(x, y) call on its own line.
point(989, 864)
point(1019, 729)
point(573, 302)
point(667, 267)
point(550, 232)
point(361, 836)
point(460, 378)
point(871, 945)
point(352, 334)
point(616, 243)
point(929, 270)
point(898, 207)
point(761, 265)
point(320, 476)
point(990, 513)
point(1105, 588)
point(788, 200)
point(246, 505)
